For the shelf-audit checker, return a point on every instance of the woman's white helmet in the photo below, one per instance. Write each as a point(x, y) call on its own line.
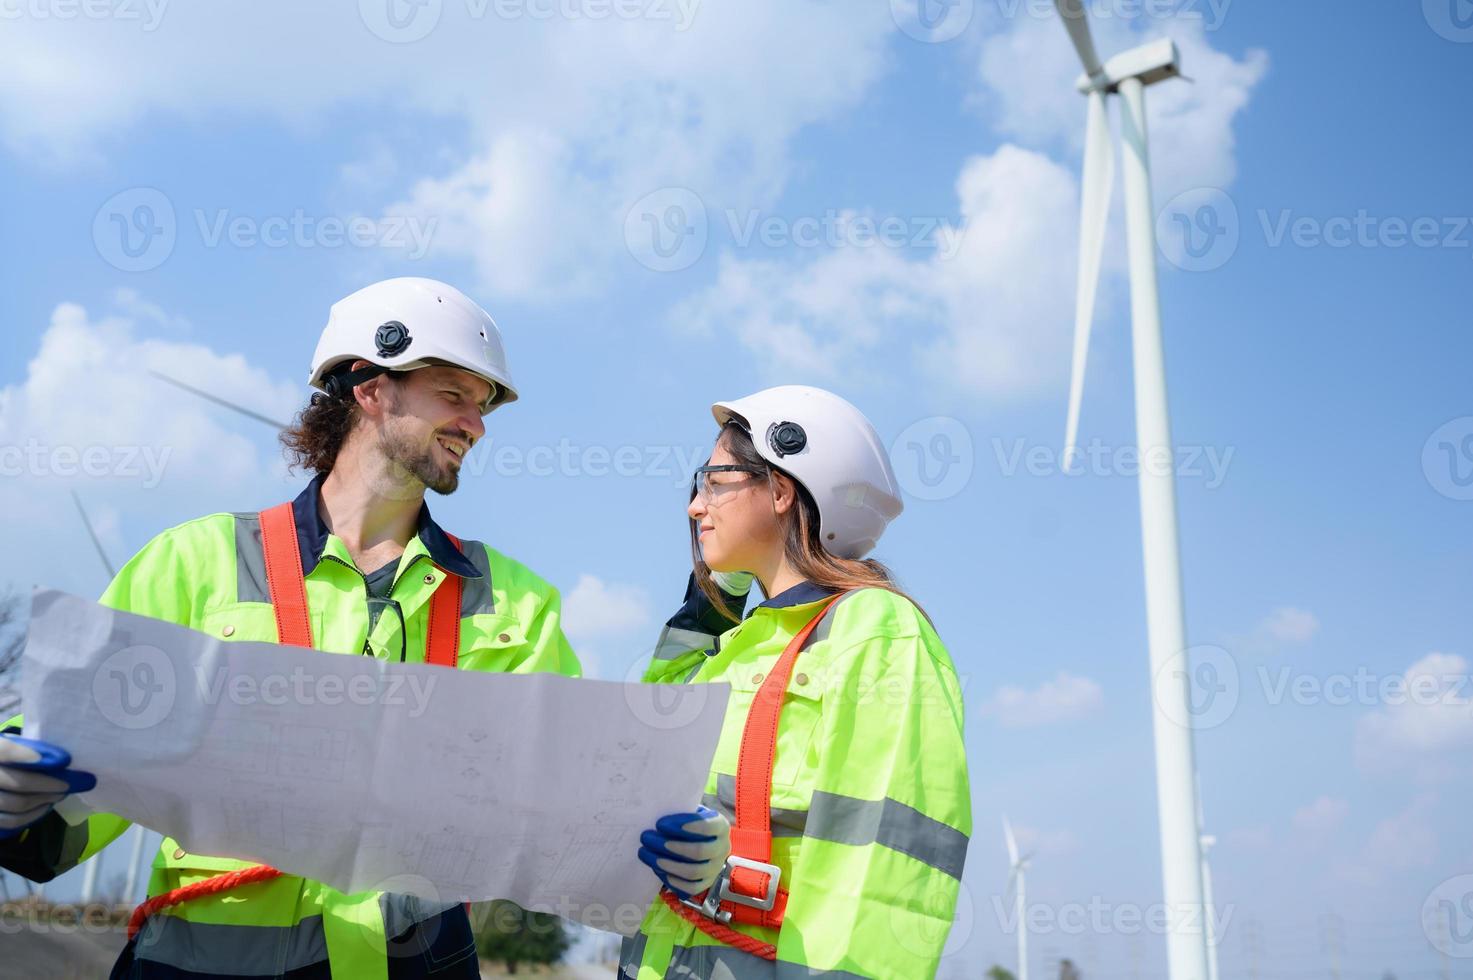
point(828, 446)
point(408, 323)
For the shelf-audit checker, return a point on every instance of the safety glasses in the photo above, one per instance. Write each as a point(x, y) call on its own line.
point(703, 485)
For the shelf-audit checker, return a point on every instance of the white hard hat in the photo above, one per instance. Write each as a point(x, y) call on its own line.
point(408, 323)
point(828, 446)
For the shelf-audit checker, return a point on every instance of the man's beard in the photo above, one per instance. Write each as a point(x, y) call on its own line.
point(409, 460)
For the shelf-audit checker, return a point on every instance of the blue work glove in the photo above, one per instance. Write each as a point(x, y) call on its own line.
point(687, 851)
point(34, 777)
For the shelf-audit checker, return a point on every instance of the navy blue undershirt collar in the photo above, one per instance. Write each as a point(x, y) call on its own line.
point(797, 595)
point(312, 534)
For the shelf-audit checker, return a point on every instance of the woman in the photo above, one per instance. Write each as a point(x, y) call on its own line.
point(839, 786)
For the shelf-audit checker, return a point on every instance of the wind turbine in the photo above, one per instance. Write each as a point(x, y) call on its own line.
point(1128, 75)
point(1015, 884)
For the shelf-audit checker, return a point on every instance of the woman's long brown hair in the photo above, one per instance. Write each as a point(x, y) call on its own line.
point(801, 544)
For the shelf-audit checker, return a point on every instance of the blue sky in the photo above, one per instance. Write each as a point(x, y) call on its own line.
point(1316, 366)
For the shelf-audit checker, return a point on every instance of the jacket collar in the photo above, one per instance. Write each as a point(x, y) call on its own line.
point(797, 595)
point(312, 534)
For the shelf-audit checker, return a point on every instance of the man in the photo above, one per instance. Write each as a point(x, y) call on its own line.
point(407, 370)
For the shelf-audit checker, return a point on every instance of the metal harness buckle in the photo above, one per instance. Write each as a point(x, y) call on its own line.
point(711, 907)
point(765, 903)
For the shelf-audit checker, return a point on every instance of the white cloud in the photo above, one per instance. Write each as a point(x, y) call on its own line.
point(992, 317)
point(1405, 840)
point(600, 618)
point(1290, 625)
point(560, 124)
point(1323, 816)
point(1425, 725)
point(1064, 698)
point(88, 417)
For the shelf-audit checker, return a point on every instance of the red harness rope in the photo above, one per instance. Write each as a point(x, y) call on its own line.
point(751, 834)
point(288, 588)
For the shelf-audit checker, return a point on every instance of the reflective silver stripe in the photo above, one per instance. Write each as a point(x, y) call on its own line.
point(250, 560)
point(730, 963)
point(825, 625)
point(846, 820)
point(676, 642)
point(400, 912)
point(476, 597)
point(247, 951)
point(631, 953)
point(785, 823)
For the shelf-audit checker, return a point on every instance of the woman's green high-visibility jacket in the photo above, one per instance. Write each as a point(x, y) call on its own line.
point(871, 810)
point(209, 575)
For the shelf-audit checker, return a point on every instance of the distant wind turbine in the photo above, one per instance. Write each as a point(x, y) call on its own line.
point(1018, 865)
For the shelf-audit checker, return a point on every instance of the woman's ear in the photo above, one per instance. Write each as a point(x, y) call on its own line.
point(784, 492)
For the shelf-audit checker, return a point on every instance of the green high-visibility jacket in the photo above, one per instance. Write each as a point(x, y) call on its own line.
point(209, 575)
point(870, 808)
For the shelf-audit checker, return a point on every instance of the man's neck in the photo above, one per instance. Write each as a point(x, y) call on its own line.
point(374, 515)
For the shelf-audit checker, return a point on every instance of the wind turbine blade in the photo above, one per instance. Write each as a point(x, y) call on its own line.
point(1007, 830)
point(112, 573)
point(1077, 21)
point(1094, 213)
point(218, 400)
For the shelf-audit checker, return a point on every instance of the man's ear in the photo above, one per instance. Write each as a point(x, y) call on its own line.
point(370, 394)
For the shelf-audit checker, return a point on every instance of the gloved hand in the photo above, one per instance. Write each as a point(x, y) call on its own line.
point(733, 583)
point(34, 777)
point(687, 850)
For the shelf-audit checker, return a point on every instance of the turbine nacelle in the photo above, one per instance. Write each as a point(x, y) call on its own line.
point(1151, 63)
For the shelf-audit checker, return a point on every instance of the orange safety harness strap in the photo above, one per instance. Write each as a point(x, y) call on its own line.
point(751, 834)
point(288, 589)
